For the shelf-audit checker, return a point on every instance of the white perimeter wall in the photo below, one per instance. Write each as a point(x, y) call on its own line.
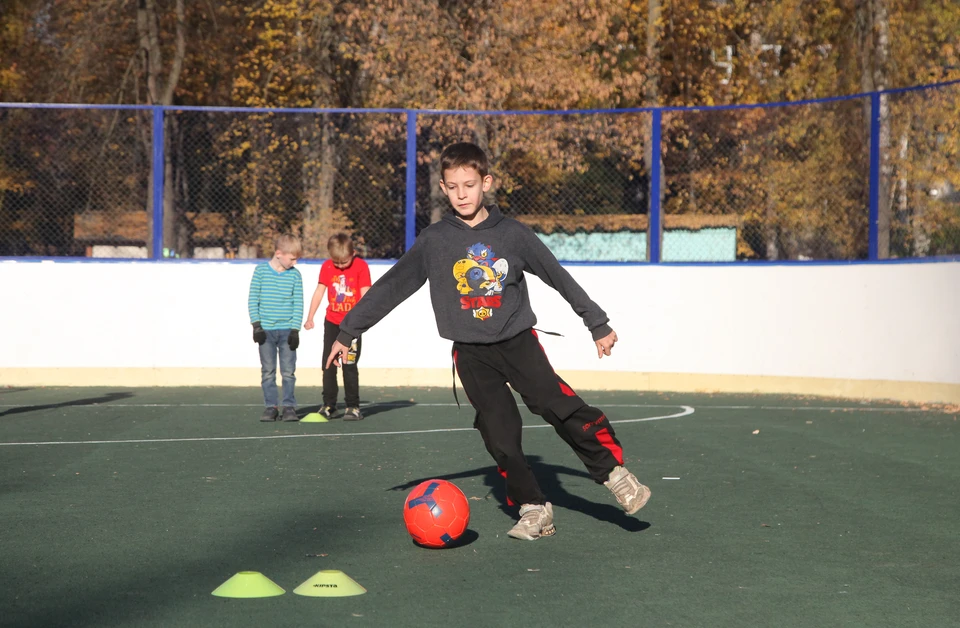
point(897, 322)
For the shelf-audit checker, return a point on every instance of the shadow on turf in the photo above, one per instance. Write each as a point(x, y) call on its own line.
point(74, 402)
point(548, 475)
point(468, 537)
point(368, 410)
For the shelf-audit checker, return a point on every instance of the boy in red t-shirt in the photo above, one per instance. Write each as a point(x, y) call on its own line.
point(344, 278)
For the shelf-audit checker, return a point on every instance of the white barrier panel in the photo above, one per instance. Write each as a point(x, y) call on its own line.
point(893, 322)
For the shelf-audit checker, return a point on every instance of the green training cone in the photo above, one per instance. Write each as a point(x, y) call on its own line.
point(314, 417)
point(330, 583)
point(248, 584)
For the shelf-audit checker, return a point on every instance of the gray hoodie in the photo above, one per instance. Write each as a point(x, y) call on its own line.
point(477, 287)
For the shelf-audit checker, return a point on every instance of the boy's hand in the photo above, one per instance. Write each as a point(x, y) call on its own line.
point(259, 336)
point(294, 339)
point(336, 354)
point(605, 344)
point(308, 324)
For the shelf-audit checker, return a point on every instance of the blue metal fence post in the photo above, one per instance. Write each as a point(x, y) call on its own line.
point(157, 190)
point(874, 232)
point(411, 197)
point(654, 232)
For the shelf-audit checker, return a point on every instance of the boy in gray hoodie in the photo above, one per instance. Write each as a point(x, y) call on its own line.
point(475, 259)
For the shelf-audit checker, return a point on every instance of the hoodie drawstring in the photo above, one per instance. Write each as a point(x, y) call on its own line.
point(453, 373)
point(552, 333)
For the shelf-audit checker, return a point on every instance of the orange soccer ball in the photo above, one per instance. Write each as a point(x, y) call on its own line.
point(436, 513)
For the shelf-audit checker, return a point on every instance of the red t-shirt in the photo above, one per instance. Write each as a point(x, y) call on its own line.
point(343, 287)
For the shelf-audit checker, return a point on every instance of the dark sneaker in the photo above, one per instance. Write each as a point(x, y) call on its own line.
point(290, 414)
point(536, 520)
point(269, 414)
point(352, 414)
point(631, 494)
point(327, 412)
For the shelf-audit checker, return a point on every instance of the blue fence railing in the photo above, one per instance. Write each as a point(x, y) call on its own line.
point(864, 177)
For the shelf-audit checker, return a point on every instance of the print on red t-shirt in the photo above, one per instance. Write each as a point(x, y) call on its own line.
point(343, 287)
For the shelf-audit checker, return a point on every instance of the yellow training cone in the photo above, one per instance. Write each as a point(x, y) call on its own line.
point(330, 583)
point(248, 584)
point(314, 417)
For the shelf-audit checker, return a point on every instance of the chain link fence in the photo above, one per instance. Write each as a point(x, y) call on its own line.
point(243, 178)
point(72, 180)
point(793, 182)
point(765, 183)
point(920, 174)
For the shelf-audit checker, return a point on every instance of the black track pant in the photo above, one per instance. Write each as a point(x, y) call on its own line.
point(485, 372)
point(351, 377)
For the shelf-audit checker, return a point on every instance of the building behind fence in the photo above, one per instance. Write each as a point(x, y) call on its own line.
point(865, 177)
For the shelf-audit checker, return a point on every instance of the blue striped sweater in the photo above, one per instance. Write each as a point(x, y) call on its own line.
point(276, 299)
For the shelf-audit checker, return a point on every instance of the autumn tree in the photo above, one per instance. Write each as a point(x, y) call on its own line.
point(307, 54)
point(795, 178)
point(510, 55)
point(69, 160)
point(13, 27)
point(924, 147)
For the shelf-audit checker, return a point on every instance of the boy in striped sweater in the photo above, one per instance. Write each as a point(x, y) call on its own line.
point(276, 311)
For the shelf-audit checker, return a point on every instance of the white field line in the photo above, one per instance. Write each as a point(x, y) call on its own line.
point(53, 406)
point(686, 410)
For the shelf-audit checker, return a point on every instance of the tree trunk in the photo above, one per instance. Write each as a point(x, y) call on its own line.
point(771, 223)
point(880, 72)
point(873, 26)
point(160, 92)
point(438, 202)
point(321, 219)
point(651, 98)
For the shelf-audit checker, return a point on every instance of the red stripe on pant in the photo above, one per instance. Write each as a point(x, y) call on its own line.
point(510, 502)
point(603, 435)
point(563, 386)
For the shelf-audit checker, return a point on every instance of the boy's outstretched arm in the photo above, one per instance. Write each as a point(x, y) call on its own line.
point(542, 263)
point(394, 287)
point(605, 344)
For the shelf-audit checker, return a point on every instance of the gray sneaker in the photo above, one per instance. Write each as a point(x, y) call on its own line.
point(628, 490)
point(327, 412)
point(290, 414)
point(269, 414)
point(352, 414)
point(535, 521)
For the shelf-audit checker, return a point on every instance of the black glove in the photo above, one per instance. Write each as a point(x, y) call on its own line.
point(259, 336)
point(294, 339)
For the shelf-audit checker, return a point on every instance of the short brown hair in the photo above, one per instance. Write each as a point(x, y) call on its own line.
point(464, 155)
point(289, 243)
point(340, 245)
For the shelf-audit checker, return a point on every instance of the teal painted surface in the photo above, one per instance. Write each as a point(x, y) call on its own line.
point(625, 246)
point(715, 244)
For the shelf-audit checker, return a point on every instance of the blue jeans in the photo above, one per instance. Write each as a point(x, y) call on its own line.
point(277, 342)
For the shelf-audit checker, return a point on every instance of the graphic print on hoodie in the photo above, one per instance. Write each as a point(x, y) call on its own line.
point(480, 278)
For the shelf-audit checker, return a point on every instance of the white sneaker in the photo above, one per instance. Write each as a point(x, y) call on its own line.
point(628, 490)
point(535, 521)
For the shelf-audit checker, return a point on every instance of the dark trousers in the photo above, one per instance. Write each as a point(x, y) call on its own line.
point(485, 372)
point(351, 377)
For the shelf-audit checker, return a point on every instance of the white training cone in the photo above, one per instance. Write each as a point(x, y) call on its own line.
point(330, 583)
